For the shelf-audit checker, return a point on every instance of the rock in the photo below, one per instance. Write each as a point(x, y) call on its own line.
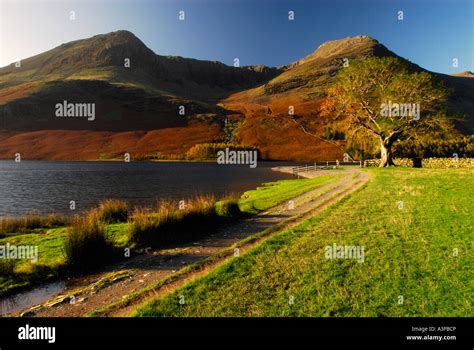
point(119, 278)
point(27, 313)
point(58, 301)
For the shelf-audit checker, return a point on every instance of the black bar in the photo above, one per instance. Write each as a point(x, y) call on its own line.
point(120, 331)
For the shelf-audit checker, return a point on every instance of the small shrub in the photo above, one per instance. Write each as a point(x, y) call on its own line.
point(113, 210)
point(158, 156)
point(86, 244)
point(203, 151)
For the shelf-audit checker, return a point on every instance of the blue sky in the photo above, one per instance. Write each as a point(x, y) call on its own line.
point(432, 33)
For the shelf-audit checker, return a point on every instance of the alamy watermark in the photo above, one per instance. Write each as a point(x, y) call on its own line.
point(79, 110)
point(37, 333)
point(392, 109)
point(335, 251)
point(229, 156)
point(27, 252)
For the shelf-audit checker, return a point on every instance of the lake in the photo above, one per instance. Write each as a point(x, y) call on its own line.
point(49, 186)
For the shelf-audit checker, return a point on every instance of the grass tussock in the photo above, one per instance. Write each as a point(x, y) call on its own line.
point(228, 207)
point(31, 222)
point(173, 223)
point(86, 244)
point(113, 211)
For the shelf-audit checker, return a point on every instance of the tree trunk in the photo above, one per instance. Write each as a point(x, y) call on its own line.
point(386, 154)
point(417, 162)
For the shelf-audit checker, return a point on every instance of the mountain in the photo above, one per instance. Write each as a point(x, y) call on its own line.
point(102, 57)
point(147, 93)
point(137, 105)
point(466, 74)
point(303, 85)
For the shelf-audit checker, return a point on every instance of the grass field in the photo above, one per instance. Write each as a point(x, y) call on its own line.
point(416, 227)
point(50, 242)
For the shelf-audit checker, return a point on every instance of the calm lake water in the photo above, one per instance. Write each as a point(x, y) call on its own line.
point(45, 187)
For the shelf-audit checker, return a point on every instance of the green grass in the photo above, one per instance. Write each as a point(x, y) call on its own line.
point(51, 256)
point(25, 272)
point(51, 243)
point(409, 252)
point(274, 193)
point(118, 234)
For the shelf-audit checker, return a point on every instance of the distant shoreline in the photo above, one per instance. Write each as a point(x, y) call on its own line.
point(148, 161)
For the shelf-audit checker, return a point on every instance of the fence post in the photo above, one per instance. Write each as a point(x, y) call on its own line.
point(337, 163)
point(360, 163)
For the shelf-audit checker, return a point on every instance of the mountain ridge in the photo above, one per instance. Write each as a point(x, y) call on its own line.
point(106, 54)
point(147, 96)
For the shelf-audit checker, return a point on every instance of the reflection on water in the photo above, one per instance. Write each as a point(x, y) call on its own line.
point(25, 300)
point(44, 186)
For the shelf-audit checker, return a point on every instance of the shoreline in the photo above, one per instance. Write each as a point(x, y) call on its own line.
point(37, 215)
